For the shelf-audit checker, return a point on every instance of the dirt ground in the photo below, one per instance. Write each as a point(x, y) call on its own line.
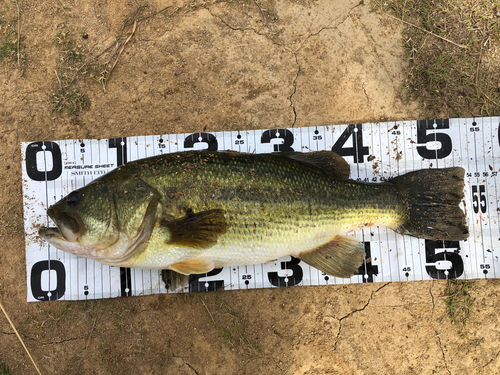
point(207, 67)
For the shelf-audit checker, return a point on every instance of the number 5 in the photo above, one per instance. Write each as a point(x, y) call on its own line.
point(422, 137)
point(479, 202)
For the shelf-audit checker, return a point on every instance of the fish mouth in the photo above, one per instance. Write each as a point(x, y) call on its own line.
point(67, 227)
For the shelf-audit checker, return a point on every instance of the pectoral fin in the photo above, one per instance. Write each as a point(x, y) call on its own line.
point(193, 266)
point(197, 230)
point(341, 257)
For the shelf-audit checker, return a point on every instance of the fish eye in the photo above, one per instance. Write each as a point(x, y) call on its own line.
point(73, 198)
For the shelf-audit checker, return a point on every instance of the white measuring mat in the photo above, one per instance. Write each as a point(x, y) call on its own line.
point(376, 152)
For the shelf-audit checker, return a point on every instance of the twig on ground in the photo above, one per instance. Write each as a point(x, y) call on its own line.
point(108, 74)
point(118, 46)
point(123, 46)
point(261, 12)
point(173, 12)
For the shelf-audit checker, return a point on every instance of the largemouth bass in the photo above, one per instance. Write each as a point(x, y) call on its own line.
point(194, 211)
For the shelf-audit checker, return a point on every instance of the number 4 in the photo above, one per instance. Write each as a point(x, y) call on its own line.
point(357, 151)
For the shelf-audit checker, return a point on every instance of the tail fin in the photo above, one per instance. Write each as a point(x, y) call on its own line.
point(432, 197)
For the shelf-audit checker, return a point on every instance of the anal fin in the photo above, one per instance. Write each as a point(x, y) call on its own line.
point(193, 266)
point(341, 257)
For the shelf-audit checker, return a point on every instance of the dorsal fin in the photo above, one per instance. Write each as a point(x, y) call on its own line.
point(328, 162)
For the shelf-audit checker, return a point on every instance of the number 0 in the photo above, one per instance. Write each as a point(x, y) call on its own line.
point(36, 280)
point(33, 169)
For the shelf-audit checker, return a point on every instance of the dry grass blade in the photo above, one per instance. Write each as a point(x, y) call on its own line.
point(15, 143)
point(225, 332)
point(428, 32)
point(487, 97)
point(87, 342)
point(19, 337)
point(18, 31)
point(211, 316)
point(57, 75)
point(123, 46)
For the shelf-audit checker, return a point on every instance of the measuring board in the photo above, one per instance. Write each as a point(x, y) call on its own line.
point(375, 152)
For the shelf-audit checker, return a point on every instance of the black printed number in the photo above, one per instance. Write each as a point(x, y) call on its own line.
point(121, 149)
point(284, 134)
point(357, 151)
point(37, 172)
point(367, 269)
point(423, 126)
point(207, 138)
point(479, 198)
point(121, 158)
point(195, 285)
point(292, 265)
point(36, 280)
point(432, 258)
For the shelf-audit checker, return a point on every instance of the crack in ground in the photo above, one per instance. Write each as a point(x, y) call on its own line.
point(432, 296)
point(353, 312)
point(278, 44)
point(366, 94)
point(294, 84)
point(442, 351)
point(173, 355)
point(491, 360)
point(60, 342)
point(235, 28)
point(328, 27)
point(187, 364)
